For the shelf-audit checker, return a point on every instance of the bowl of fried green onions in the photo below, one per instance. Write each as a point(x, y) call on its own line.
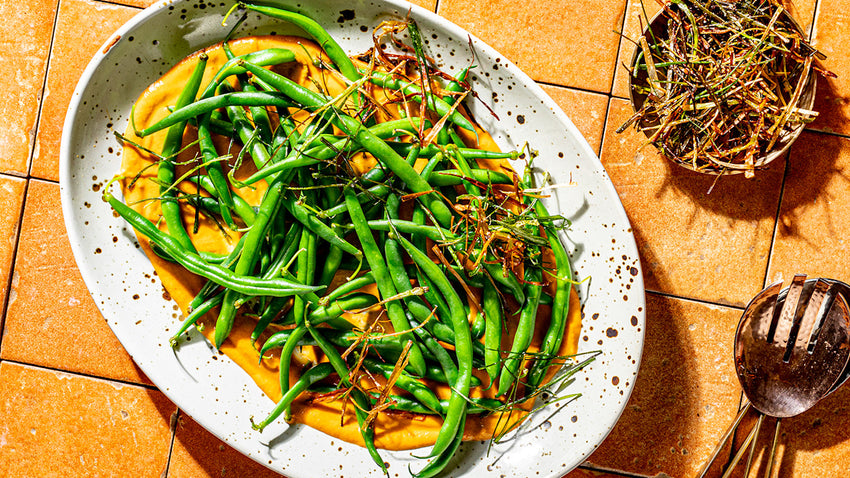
point(723, 87)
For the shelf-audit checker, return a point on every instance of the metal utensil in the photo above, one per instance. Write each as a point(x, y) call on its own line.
point(791, 347)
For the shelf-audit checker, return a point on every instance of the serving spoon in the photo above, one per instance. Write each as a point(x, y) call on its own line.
point(791, 347)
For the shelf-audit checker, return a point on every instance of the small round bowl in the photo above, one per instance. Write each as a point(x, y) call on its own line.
point(790, 133)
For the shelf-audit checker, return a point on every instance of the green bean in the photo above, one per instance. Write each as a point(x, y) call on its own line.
point(560, 306)
point(165, 168)
point(346, 288)
point(319, 34)
point(410, 89)
point(373, 256)
point(478, 326)
point(215, 170)
point(305, 272)
point(309, 377)
point(509, 372)
point(253, 238)
point(207, 105)
point(215, 272)
point(407, 383)
point(454, 177)
point(492, 306)
point(357, 131)
point(435, 233)
point(456, 412)
point(314, 224)
point(194, 315)
point(286, 360)
point(361, 401)
point(332, 261)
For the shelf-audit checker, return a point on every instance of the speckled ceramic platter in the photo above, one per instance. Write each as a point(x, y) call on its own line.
point(213, 390)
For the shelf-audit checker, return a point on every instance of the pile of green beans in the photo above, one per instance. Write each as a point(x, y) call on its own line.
point(426, 237)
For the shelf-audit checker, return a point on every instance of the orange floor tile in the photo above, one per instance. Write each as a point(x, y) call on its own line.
point(72, 49)
point(545, 40)
point(24, 60)
point(73, 402)
point(60, 424)
point(49, 303)
point(197, 454)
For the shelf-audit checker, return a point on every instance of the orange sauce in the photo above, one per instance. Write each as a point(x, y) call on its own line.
point(394, 431)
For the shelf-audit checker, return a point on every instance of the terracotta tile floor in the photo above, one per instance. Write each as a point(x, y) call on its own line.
point(73, 403)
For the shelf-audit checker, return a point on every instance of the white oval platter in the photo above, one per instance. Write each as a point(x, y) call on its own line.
point(213, 390)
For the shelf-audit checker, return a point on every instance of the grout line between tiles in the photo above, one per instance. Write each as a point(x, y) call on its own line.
point(825, 132)
point(10, 281)
point(610, 93)
point(574, 88)
point(84, 375)
point(612, 471)
point(619, 46)
point(119, 4)
point(813, 27)
point(34, 140)
point(776, 217)
point(175, 419)
point(695, 300)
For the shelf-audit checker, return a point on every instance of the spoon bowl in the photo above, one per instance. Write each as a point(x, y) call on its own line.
point(791, 346)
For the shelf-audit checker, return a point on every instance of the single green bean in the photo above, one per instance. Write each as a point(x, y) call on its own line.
point(166, 169)
point(560, 306)
point(456, 412)
point(492, 305)
point(348, 287)
point(217, 273)
point(319, 34)
point(309, 377)
point(373, 256)
point(454, 177)
point(509, 373)
point(207, 105)
point(194, 315)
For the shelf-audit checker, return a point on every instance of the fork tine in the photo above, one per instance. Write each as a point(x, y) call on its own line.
point(816, 309)
point(789, 311)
